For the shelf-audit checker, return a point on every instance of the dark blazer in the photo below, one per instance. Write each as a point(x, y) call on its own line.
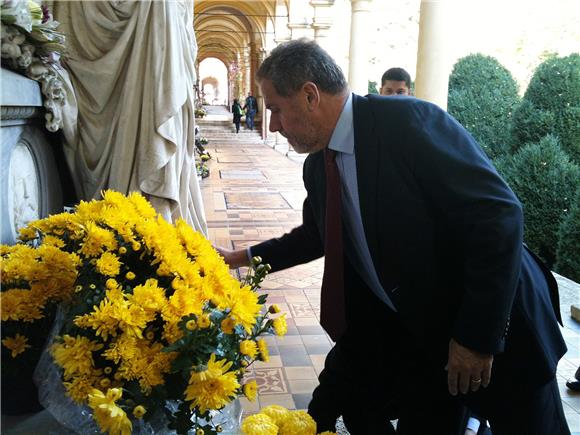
point(445, 236)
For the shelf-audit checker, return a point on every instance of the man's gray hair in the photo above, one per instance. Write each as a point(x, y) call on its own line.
point(296, 62)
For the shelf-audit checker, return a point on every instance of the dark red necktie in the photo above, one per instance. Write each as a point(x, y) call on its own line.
point(332, 314)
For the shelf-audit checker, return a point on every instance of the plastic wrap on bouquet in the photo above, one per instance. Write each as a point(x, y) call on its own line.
point(51, 392)
point(77, 418)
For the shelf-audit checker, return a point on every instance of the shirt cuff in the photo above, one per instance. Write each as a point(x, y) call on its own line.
point(473, 424)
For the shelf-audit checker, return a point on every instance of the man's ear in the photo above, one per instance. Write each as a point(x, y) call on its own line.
point(312, 95)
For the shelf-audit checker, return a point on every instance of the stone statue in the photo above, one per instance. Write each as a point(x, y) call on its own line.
point(131, 65)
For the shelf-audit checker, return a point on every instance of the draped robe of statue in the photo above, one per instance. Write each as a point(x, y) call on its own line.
point(131, 65)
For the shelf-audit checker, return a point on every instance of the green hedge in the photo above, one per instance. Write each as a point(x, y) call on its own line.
point(568, 254)
point(545, 181)
point(482, 97)
point(372, 87)
point(552, 105)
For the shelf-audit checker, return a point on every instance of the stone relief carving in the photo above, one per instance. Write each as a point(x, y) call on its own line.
point(19, 56)
point(23, 188)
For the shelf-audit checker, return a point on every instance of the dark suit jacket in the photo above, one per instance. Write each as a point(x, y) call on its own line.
point(445, 236)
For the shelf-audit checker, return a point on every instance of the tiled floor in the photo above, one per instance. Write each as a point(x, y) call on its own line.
point(254, 193)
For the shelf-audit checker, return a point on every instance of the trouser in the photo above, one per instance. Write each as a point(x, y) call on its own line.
point(250, 119)
point(509, 411)
point(369, 392)
point(358, 388)
point(237, 124)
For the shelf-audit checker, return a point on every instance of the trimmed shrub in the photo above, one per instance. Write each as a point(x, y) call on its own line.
point(482, 97)
point(532, 123)
point(568, 254)
point(554, 89)
point(545, 181)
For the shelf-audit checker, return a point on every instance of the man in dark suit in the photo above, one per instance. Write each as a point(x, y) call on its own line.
point(251, 108)
point(438, 304)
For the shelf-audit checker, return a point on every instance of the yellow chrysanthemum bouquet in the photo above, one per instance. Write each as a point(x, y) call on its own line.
point(277, 420)
point(152, 322)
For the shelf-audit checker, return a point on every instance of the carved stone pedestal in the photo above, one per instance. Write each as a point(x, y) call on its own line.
point(29, 182)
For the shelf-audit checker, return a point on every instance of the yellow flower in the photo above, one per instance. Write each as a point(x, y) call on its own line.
point(52, 241)
point(212, 388)
point(110, 417)
point(250, 390)
point(274, 308)
point(259, 424)
point(139, 411)
point(111, 284)
point(27, 233)
point(263, 349)
point(75, 355)
point(249, 348)
point(203, 321)
point(280, 326)
point(228, 325)
point(130, 276)
point(327, 432)
point(297, 423)
point(122, 250)
point(16, 344)
point(199, 432)
point(79, 387)
point(276, 412)
point(191, 325)
point(97, 240)
point(108, 264)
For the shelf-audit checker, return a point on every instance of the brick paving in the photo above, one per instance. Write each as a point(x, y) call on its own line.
point(255, 192)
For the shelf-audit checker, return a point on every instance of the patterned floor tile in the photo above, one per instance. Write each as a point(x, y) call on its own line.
point(270, 381)
point(255, 200)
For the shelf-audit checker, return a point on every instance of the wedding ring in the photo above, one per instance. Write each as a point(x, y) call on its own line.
point(476, 381)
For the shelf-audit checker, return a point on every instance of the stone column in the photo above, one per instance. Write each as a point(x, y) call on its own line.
point(299, 19)
point(247, 68)
point(359, 47)
point(432, 55)
point(322, 21)
point(260, 56)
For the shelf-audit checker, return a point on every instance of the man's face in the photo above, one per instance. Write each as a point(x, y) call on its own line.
point(394, 87)
point(291, 117)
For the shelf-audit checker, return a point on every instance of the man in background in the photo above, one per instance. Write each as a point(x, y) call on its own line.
point(251, 108)
point(396, 81)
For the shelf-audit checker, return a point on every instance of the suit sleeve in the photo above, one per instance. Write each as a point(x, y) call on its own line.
point(480, 214)
point(299, 246)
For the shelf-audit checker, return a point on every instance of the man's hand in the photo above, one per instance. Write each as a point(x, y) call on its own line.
point(467, 369)
point(234, 259)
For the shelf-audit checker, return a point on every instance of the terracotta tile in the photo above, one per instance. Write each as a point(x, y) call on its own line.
point(275, 361)
point(302, 400)
point(316, 339)
point(303, 386)
point(304, 372)
point(285, 400)
point(306, 321)
point(289, 340)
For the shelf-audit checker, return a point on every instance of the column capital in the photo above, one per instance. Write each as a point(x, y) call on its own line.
point(322, 25)
point(303, 25)
point(360, 5)
point(321, 3)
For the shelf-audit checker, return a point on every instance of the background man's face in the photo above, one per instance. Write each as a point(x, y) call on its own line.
point(393, 87)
